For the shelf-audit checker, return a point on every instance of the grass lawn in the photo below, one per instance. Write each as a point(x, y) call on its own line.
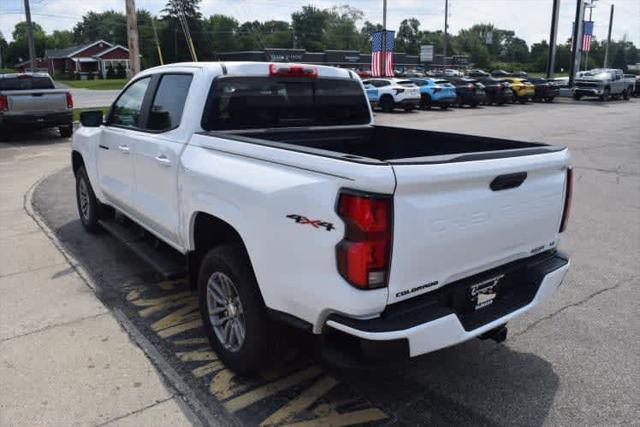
point(96, 84)
point(77, 111)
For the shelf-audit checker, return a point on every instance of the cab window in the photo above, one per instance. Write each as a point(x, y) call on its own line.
point(127, 110)
point(168, 102)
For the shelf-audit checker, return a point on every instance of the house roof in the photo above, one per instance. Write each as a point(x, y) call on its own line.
point(72, 50)
point(112, 48)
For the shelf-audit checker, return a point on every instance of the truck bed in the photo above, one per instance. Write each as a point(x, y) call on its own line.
point(390, 144)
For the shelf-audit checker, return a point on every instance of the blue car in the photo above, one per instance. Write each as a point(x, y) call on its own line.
point(373, 94)
point(435, 92)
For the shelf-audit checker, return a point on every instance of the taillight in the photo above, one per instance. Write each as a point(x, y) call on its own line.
point(4, 103)
point(568, 196)
point(69, 100)
point(398, 90)
point(364, 254)
point(283, 70)
point(436, 89)
point(471, 88)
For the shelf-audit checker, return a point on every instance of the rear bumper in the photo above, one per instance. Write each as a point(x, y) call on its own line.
point(442, 319)
point(36, 120)
point(408, 102)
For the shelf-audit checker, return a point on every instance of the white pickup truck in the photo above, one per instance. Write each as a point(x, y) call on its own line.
point(288, 205)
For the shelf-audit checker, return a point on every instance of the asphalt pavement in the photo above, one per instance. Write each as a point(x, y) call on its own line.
point(575, 361)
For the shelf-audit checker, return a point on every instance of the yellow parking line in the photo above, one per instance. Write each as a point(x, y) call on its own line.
point(169, 332)
point(350, 418)
point(200, 355)
point(302, 402)
point(203, 370)
point(191, 341)
point(270, 389)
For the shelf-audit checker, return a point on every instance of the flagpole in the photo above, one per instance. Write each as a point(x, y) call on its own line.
point(591, 5)
point(383, 50)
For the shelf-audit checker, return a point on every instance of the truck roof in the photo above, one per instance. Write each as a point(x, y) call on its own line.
point(250, 68)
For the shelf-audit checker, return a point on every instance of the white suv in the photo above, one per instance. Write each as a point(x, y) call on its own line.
point(394, 93)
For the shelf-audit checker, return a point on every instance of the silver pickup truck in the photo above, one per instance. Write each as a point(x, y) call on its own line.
point(30, 100)
point(603, 83)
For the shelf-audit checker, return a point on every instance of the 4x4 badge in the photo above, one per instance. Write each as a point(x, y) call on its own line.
point(300, 219)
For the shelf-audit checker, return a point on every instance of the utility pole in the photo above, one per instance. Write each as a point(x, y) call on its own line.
point(383, 57)
point(32, 49)
point(576, 41)
point(606, 51)
point(446, 35)
point(132, 37)
point(551, 59)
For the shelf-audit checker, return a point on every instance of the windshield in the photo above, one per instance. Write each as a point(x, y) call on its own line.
point(267, 102)
point(25, 82)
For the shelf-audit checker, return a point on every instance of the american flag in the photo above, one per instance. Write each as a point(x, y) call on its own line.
point(377, 67)
point(587, 36)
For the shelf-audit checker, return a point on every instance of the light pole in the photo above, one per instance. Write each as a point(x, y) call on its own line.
point(446, 28)
point(590, 4)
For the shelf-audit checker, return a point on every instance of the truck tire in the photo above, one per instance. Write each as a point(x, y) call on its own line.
point(386, 103)
point(606, 95)
point(577, 96)
point(233, 311)
point(89, 208)
point(625, 94)
point(65, 131)
point(549, 99)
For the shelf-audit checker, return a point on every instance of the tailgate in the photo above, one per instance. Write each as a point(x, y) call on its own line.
point(36, 101)
point(450, 224)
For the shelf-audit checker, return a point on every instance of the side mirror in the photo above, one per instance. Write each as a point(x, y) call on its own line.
point(91, 119)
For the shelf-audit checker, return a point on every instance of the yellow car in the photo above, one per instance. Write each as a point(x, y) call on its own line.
point(522, 89)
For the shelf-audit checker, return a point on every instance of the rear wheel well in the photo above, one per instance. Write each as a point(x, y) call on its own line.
point(209, 232)
point(76, 161)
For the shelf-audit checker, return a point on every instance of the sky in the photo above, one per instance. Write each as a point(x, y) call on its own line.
point(528, 18)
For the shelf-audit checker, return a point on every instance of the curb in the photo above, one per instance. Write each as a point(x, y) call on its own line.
point(194, 410)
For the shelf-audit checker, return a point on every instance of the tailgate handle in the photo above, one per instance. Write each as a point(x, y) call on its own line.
point(504, 182)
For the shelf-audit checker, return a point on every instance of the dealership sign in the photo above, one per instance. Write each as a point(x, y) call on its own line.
point(426, 53)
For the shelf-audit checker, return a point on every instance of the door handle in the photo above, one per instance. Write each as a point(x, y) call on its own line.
point(163, 160)
point(124, 148)
point(504, 182)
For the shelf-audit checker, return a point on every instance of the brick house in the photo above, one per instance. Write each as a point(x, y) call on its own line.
point(92, 58)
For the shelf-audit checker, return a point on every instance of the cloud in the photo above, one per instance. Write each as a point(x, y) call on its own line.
point(530, 19)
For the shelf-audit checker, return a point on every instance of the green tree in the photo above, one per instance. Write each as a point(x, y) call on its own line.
point(469, 42)
point(342, 32)
point(18, 49)
point(309, 28)
point(408, 36)
point(173, 36)
point(222, 33)
point(539, 55)
point(59, 39)
point(277, 34)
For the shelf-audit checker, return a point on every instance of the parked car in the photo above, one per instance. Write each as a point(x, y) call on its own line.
point(636, 92)
point(271, 185)
point(603, 83)
point(396, 93)
point(373, 94)
point(500, 73)
point(435, 92)
point(522, 89)
point(545, 90)
point(478, 73)
point(468, 91)
point(449, 72)
point(497, 91)
point(31, 100)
